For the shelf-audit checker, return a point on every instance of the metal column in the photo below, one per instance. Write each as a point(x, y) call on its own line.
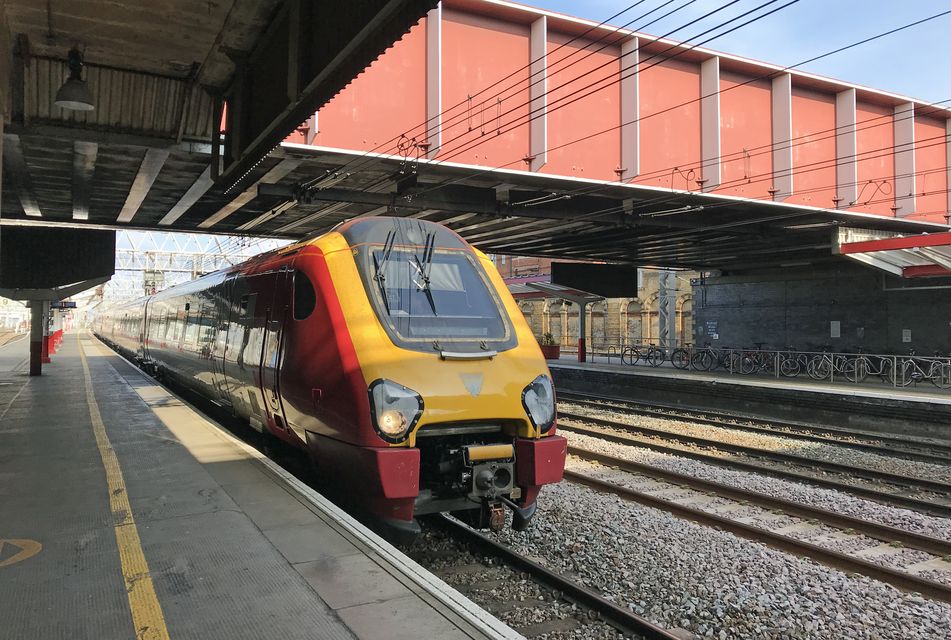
point(667, 309)
point(582, 354)
point(37, 322)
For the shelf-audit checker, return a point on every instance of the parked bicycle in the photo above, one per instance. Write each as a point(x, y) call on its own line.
point(651, 354)
point(915, 369)
point(826, 365)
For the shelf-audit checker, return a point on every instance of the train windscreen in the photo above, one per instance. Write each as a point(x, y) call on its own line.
point(435, 297)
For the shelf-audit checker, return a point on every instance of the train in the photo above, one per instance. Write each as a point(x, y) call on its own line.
point(388, 349)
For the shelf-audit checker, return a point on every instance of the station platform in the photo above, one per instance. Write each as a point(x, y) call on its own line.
point(917, 412)
point(124, 513)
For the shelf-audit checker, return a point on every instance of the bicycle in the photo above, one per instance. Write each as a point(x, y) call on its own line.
point(630, 355)
point(791, 362)
point(936, 370)
point(825, 365)
point(706, 359)
point(861, 366)
point(655, 356)
point(757, 361)
point(680, 358)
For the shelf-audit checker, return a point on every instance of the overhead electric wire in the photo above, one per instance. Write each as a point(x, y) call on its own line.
point(445, 112)
point(690, 209)
point(819, 165)
point(367, 161)
point(682, 104)
point(614, 78)
point(806, 138)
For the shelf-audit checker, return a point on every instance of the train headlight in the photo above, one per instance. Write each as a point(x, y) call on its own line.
point(396, 409)
point(538, 398)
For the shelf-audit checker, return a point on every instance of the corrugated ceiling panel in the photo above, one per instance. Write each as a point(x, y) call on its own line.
point(126, 102)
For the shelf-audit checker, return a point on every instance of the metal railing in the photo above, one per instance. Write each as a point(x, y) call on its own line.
point(820, 365)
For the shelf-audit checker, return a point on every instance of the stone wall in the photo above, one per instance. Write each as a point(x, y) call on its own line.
point(614, 322)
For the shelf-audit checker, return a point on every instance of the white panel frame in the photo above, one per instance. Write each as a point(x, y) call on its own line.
point(782, 137)
point(538, 94)
point(710, 122)
point(630, 110)
point(947, 128)
point(846, 146)
point(434, 80)
point(904, 123)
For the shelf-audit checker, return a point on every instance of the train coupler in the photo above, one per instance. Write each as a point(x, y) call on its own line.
point(496, 516)
point(521, 516)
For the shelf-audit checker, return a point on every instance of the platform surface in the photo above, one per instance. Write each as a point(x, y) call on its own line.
point(925, 392)
point(124, 513)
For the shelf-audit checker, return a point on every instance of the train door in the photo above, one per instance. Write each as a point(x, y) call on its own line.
point(220, 345)
point(272, 355)
point(144, 329)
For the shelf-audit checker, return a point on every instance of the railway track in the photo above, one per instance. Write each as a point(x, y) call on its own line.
point(881, 444)
point(810, 470)
point(734, 509)
point(560, 606)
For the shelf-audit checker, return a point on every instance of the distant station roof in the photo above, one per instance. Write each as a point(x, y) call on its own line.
point(906, 256)
point(541, 287)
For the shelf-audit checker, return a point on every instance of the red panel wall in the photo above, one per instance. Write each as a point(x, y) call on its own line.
point(875, 167)
point(387, 99)
point(477, 52)
point(931, 181)
point(813, 126)
point(746, 136)
point(570, 70)
point(670, 140)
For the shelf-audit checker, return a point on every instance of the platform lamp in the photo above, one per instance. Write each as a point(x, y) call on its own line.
point(74, 94)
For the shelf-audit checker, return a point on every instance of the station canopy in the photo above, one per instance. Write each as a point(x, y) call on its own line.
point(516, 212)
point(908, 256)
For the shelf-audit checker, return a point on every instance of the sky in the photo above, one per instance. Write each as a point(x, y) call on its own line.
point(915, 62)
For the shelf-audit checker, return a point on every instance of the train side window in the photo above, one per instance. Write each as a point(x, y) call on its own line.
point(305, 298)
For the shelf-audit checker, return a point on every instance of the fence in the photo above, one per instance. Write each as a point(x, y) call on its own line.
point(892, 369)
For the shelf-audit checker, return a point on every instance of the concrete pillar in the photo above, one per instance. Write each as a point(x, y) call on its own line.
point(36, 337)
point(904, 126)
point(947, 126)
point(846, 165)
point(710, 122)
point(538, 92)
point(630, 110)
point(782, 137)
point(434, 81)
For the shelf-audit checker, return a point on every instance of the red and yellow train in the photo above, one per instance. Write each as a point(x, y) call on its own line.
point(389, 349)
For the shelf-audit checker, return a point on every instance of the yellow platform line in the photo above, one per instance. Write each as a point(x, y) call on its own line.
point(147, 618)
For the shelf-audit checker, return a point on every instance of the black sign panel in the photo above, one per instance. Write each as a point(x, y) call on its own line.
point(44, 258)
point(607, 280)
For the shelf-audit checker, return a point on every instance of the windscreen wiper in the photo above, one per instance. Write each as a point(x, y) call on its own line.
point(423, 266)
point(379, 264)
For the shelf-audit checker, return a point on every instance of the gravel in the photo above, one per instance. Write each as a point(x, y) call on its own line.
point(814, 496)
point(815, 450)
point(716, 585)
point(895, 557)
point(511, 595)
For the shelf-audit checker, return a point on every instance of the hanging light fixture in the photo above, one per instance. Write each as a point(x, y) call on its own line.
point(74, 94)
